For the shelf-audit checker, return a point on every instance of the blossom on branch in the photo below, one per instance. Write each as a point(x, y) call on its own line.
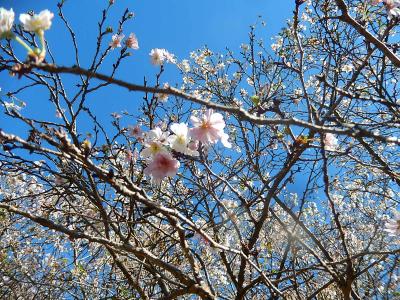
point(159, 56)
point(132, 42)
point(37, 23)
point(155, 142)
point(330, 141)
point(163, 97)
point(116, 40)
point(184, 66)
point(13, 106)
point(161, 166)
point(6, 22)
point(135, 131)
point(209, 129)
point(180, 140)
point(347, 68)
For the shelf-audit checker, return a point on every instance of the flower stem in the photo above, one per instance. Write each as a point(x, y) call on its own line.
point(43, 43)
point(25, 45)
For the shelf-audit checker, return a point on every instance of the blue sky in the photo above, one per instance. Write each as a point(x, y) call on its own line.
point(180, 26)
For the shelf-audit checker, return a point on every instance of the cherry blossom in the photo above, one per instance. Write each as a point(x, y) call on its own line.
point(180, 140)
point(161, 166)
point(155, 142)
point(347, 68)
point(135, 131)
point(14, 106)
point(193, 145)
point(330, 142)
point(393, 226)
point(163, 97)
point(6, 21)
point(116, 115)
point(132, 42)
point(59, 113)
point(184, 66)
point(209, 129)
point(159, 56)
point(116, 40)
point(157, 134)
point(37, 23)
point(69, 207)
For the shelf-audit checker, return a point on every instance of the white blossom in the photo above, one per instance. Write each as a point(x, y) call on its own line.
point(37, 23)
point(330, 141)
point(180, 140)
point(160, 56)
point(6, 21)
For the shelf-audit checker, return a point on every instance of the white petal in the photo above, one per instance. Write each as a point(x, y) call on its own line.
point(224, 140)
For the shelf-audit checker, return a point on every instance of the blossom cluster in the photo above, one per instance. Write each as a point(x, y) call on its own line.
point(32, 23)
point(159, 56)
point(36, 23)
point(131, 42)
point(158, 145)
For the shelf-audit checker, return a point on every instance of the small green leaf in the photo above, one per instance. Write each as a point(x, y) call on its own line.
point(255, 99)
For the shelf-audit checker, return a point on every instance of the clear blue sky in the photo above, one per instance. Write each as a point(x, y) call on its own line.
point(180, 26)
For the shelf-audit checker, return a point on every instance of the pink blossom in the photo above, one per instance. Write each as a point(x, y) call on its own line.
point(132, 42)
point(193, 145)
point(135, 131)
point(162, 165)
point(116, 115)
point(330, 141)
point(59, 113)
point(209, 129)
point(116, 40)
